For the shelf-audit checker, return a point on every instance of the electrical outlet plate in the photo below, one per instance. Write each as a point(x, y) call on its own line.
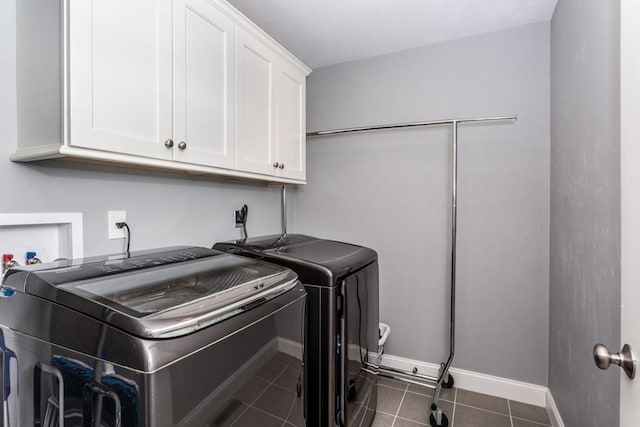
point(115, 232)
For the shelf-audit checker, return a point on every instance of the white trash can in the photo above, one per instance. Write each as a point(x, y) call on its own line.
point(383, 333)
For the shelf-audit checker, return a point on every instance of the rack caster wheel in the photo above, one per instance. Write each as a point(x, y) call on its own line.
point(448, 382)
point(444, 421)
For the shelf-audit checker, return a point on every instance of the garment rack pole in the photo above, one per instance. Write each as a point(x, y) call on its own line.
point(283, 199)
point(408, 125)
point(437, 418)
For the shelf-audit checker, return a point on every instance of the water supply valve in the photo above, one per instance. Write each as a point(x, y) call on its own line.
point(32, 259)
point(8, 262)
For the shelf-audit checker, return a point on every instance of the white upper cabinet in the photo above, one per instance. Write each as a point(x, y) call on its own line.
point(271, 111)
point(188, 85)
point(254, 76)
point(204, 109)
point(290, 122)
point(120, 76)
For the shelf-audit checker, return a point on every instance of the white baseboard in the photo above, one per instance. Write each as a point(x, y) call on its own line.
point(481, 383)
point(552, 409)
point(473, 381)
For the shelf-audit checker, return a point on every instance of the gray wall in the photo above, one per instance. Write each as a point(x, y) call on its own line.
point(162, 209)
point(390, 191)
point(584, 300)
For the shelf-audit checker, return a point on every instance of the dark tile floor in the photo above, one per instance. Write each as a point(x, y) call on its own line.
point(269, 398)
point(407, 405)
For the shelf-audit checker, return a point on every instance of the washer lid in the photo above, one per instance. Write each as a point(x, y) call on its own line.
point(159, 294)
point(316, 261)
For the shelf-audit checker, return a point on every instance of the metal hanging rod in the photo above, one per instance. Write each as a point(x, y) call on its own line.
point(409, 125)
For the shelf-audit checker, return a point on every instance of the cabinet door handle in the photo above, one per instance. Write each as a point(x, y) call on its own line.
point(182, 145)
point(276, 164)
point(168, 143)
point(281, 166)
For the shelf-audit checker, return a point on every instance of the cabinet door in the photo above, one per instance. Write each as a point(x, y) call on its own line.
point(255, 108)
point(120, 76)
point(204, 44)
point(290, 122)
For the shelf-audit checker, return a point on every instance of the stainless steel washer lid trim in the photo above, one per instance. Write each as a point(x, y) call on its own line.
point(184, 320)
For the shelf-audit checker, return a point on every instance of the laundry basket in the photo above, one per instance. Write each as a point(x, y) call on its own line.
point(383, 333)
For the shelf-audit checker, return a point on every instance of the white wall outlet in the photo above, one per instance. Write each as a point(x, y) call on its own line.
point(115, 232)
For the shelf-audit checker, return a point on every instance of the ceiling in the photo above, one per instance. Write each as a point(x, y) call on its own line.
point(326, 32)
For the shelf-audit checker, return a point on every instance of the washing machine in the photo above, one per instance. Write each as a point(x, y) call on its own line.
point(182, 336)
point(341, 280)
